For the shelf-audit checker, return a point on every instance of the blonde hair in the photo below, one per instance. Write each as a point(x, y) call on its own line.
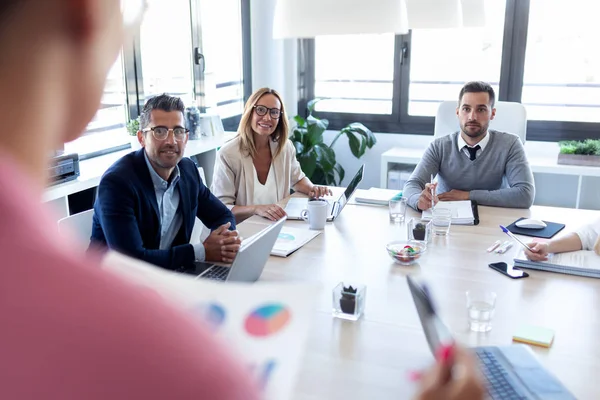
point(280, 135)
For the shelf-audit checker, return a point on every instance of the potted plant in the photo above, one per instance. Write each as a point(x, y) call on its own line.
point(348, 300)
point(316, 158)
point(133, 126)
point(585, 152)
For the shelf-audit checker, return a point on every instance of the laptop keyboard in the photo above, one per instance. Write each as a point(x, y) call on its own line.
point(499, 386)
point(217, 273)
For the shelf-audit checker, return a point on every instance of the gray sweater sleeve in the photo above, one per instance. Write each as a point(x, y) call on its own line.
point(519, 177)
point(429, 164)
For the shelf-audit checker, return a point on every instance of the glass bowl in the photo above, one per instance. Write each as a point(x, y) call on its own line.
point(406, 252)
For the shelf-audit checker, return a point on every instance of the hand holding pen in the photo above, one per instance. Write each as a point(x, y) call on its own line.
point(428, 197)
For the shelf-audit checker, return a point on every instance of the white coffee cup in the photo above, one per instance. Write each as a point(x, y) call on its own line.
point(315, 214)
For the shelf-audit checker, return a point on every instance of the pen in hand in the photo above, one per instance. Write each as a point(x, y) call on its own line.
point(509, 233)
point(432, 193)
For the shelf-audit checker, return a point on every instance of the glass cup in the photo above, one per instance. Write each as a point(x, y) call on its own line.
point(348, 301)
point(418, 229)
point(441, 221)
point(480, 307)
point(397, 209)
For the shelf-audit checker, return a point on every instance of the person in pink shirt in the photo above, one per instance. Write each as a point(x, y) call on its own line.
point(70, 330)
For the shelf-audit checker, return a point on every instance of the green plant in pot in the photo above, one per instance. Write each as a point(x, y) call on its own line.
point(589, 147)
point(316, 158)
point(348, 300)
point(133, 126)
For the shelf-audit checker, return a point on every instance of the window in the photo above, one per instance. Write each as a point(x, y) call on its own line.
point(162, 61)
point(222, 50)
point(562, 64)
point(107, 128)
point(166, 50)
point(538, 52)
point(442, 60)
point(354, 73)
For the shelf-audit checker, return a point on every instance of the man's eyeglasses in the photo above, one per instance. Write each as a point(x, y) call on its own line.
point(162, 132)
point(275, 113)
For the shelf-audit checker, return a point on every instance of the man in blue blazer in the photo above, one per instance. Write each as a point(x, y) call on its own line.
point(148, 200)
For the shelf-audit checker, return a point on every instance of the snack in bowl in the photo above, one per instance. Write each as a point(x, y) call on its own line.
point(406, 252)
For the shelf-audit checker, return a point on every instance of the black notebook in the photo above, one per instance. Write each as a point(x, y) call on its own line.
point(549, 231)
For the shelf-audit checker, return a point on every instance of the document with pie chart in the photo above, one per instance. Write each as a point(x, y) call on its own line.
point(291, 239)
point(264, 324)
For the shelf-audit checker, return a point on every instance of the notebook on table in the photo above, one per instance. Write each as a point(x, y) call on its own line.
point(551, 229)
point(464, 212)
point(377, 196)
point(582, 263)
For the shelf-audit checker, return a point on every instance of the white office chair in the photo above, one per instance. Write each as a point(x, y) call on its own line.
point(78, 225)
point(510, 117)
point(199, 232)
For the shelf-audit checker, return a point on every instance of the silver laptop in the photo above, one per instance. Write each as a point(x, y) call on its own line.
point(512, 372)
point(295, 205)
point(249, 261)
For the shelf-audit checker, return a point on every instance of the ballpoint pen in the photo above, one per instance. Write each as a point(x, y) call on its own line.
point(509, 233)
point(432, 195)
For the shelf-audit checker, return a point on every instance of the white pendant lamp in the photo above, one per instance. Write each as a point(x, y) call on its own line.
point(444, 14)
point(310, 18)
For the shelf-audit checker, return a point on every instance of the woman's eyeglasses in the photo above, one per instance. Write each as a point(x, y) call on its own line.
point(162, 132)
point(275, 113)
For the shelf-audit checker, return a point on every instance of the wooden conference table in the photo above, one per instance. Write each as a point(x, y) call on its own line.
point(370, 358)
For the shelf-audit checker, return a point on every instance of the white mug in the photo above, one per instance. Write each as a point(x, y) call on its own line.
point(316, 214)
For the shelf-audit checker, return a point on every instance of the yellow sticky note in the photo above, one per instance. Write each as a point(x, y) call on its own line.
point(535, 335)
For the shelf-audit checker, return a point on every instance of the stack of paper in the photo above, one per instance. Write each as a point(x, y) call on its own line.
point(376, 196)
point(582, 263)
point(462, 212)
point(291, 239)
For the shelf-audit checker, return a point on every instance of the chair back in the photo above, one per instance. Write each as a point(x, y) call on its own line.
point(510, 117)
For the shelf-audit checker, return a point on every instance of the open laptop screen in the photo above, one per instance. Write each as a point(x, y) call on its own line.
point(352, 186)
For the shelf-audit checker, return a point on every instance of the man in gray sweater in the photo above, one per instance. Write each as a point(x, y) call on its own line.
point(478, 164)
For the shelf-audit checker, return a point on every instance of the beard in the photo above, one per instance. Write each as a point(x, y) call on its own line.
point(468, 129)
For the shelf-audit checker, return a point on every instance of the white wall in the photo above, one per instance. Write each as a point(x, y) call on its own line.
point(274, 61)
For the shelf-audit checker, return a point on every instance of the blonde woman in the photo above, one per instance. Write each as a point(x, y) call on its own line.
point(258, 168)
point(587, 238)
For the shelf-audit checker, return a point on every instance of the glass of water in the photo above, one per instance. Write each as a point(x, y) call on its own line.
point(480, 306)
point(397, 209)
point(441, 221)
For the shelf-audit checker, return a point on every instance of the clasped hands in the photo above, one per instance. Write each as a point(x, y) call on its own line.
point(429, 197)
point(222, 244)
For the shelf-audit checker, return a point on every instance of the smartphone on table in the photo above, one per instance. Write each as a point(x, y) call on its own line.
point(508, 270)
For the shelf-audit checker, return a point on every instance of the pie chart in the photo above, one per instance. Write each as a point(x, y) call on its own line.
point(267, 320)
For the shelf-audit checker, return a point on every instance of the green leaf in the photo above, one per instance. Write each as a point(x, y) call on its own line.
point(311, 105)
point(300, 121)
point(354, 143)
point(341, 173)
point(315, 130)
point(325, 157)
point(299, 148)
point(308, 163)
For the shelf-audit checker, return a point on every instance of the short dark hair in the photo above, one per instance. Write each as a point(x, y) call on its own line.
point(162, 102)
point(478, 87)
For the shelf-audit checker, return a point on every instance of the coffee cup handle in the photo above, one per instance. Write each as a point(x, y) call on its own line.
point(304, 214)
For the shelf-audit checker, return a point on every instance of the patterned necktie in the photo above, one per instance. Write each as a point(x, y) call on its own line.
point(473, 151)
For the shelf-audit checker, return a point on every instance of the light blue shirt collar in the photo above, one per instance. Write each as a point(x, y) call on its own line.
point(160, 183)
